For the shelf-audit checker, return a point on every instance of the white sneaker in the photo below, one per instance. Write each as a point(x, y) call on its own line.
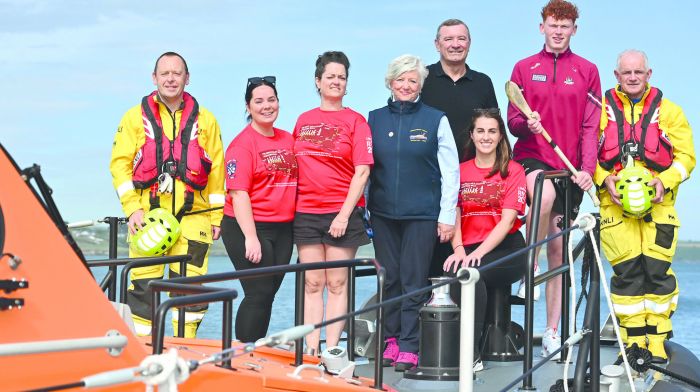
point(550, 343)
point(536, 289)
point(478, 365)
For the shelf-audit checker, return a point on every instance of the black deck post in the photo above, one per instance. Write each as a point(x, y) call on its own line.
point(565, 278)
point(594, 294)
point(113, 231)
point(181, 311)
point(529, 280)
point(155, 295)
point(351, 308)
point(227, 330)
point(379, 346)
point(299, 315)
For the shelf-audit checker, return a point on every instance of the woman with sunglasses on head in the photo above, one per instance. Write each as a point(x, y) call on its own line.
point(412, 198)
point(261, 181)
point(491, 195)
point(333, 147)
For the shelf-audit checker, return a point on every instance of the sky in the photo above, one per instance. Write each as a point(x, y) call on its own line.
point(70, 69)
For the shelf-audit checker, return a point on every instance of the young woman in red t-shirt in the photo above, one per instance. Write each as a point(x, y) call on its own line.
point(261, 183)
point(491, 195)
point(333, 146)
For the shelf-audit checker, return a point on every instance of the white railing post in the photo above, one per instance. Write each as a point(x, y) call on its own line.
point(466, 330)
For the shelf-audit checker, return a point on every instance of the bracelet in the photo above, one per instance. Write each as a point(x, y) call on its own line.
point(455, 248)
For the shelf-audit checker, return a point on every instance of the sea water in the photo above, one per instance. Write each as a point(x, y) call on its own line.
point(684, 320)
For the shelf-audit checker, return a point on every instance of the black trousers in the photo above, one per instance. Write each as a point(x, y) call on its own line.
point(504, 274)
point(253, 317)
point(404, 248)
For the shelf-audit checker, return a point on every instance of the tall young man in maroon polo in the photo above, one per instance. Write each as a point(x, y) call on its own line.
point(563, 89)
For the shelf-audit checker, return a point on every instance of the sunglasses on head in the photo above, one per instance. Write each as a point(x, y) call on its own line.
point(259, 80)
point(490, 111)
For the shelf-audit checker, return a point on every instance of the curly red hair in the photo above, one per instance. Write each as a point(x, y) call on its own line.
point(560, 9)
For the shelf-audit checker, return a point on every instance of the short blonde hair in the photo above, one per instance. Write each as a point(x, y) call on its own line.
point(402, 64)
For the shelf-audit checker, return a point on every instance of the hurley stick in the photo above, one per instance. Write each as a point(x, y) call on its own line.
point(515, 96)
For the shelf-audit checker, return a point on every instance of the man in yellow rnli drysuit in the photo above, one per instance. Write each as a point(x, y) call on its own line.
point(640, 123)
point(167, 153)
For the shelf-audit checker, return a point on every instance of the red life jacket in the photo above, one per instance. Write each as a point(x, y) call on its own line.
point(183, 158)
point(644, 141)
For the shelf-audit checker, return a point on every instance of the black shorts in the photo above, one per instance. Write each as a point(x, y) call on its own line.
point(530, 165)
point(311, 229)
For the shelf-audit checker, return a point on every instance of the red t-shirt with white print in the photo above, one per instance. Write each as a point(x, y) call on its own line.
point(266, 168)
point(482, 199)
point(328, 145)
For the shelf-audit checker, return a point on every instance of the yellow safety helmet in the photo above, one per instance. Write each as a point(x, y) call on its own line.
point(635, 193)
point(159, 233)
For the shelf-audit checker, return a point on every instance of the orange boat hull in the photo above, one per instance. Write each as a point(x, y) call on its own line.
point(63, 301)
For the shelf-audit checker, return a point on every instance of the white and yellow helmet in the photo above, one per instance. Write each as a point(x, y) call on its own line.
point(635, 193)
point(159, 233)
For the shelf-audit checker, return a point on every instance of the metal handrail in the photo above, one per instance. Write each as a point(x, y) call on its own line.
point(299, 299)
point(201, 295)
point(529, 273)
point(108, 262)
point(530, 280)
point(147, 262)
point(299, 269)
point(109, 282)
point(210, 294)
point(130, 264)
point(113, 223)
point(106, 283)
point(591, 321)
point(562, 269)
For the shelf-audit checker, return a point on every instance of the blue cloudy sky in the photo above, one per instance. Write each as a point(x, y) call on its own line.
point(70, 69)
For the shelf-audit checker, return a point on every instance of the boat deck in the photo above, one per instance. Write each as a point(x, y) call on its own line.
point(494, 377)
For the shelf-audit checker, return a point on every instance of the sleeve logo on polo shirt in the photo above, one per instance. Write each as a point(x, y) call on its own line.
point(231, 169)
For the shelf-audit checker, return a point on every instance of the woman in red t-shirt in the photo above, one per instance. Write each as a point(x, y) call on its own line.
point(261, 183)
point(333, 146)
point(492, 193)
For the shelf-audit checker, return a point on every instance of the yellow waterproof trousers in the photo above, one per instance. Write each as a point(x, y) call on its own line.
point(139, 295)
point(644, 287)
